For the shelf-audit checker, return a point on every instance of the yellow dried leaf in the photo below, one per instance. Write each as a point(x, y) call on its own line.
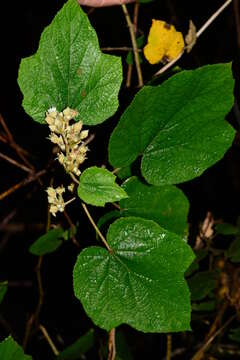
point(164, 42)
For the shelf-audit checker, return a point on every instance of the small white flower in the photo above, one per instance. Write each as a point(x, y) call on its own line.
point(52, 109)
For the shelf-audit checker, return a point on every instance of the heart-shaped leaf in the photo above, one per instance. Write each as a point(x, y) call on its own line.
point(140, 283)
point(97, 187)
point(178, 126)
point(69, 70)
point(166, 205)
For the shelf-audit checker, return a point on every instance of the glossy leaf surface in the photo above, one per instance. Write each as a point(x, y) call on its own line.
point(178, 127)
point(166, 205)
point(140, 283)
point(97, 187)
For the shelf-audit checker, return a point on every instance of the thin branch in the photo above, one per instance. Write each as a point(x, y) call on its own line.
point(120, 48)
point(49, 340)
point(237, 20)
point(112, 345)
point(67, 217)
point(199, 32)
point(22, 183)
point(14, 145)
point(169, 347)
point(134, 43)
point(40, 289)
point(199, 354)
point(135, 21)
point(212, 18)
point(96, 228)
point(15, 163)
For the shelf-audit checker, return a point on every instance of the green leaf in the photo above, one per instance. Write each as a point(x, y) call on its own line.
point(69, 70)
point(97, 187)
point(235, 334)
point(10, 350)
point(47, 243)
point(204, 306)
point(166, 205)
point(234, 250)
point(69, 233)
point(201, 284)
point(79, 347)
point(200, 255)
point(3, 289)
point(124, 173)
point(141, 283)
point(226, 229)
point(108, 217)
point(178, 126)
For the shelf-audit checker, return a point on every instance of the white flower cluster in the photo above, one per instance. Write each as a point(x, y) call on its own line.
point(68, 137)
point(55, 199)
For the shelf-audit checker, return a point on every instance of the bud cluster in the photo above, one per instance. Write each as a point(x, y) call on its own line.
point(55, 199)
point(69, 138)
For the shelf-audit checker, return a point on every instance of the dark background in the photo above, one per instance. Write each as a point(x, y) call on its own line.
point(217, 190)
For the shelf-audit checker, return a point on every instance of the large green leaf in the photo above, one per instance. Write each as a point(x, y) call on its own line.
point(69, 70)
point(97, 187)
point(166, 205)
point(178, 126)
point(10, 350)
point(140, 283)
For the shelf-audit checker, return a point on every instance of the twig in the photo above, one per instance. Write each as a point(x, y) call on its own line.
point(40, 289)
point(202, 350)
point(7, 219)
point(49, 340)
point(237, 20)
point(120, 48)
point(96, 228)
point(33, 320)
point(22, 183)
point(135, 21)
point(7, 327)
point(67, 217)
point(217, 320)
point(14, 145)
point(15, 227)
point(134, 43)
point(212, 18)
point(27, 331)
point(112, 345)
point(14, 162)
point(89, 139)
point(199, 32)
point(169, 347)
